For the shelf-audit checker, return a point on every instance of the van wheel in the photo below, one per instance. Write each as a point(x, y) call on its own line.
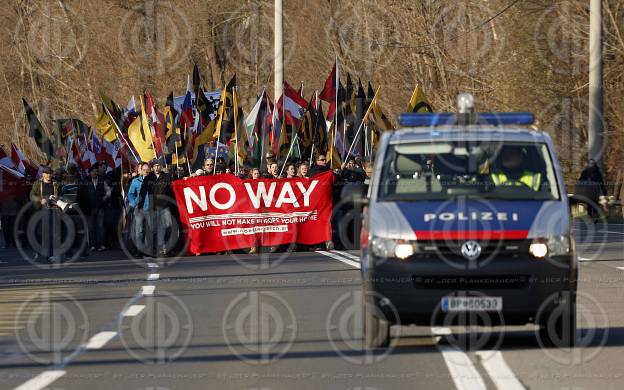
point(376, 330)
point(558, 328)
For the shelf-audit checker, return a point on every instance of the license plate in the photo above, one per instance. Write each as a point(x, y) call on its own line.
point(472, 304)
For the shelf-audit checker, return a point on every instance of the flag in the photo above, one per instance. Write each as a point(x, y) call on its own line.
point(156, 122)
point(75, 154)
point(328, 93)
point(130, 112)
point(36, 131)
point(104, 127)
point(240, 136)
point(418, 102)
point(5, 158)
point(335, 145)
point(376, 119)
point(140, 135)
point(307, 126)
point(18, 159)
point(196, 79)
point(12, 185)
point(291, 106)
point(252, 126)
point(225, 115)
point(319, 132)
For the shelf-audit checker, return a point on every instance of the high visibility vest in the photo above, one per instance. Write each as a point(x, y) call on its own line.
point(530, 179)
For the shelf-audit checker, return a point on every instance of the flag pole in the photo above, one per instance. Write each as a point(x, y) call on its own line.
point(331, 156)
point(234, 94)
point(188, 164)
point(288, 155)
point(177, 158)
point(120, 133)
point(362, 123)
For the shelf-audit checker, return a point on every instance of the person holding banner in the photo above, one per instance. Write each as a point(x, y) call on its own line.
point(303, 170)
point(320, 165)
point(208, 166)
point(291, 171)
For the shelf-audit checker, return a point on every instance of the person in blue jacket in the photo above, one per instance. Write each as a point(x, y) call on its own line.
point(139, 214)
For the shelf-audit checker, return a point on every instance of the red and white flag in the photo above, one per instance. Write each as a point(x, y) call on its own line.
point(5, 159)
point(291, 106)
point(18, 159)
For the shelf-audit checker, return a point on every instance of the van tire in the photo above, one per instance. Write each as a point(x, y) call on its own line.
point(559, 328)
point(376, 330)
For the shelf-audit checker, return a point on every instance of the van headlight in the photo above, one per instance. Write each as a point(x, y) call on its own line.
point(559, 246)
point(552, 246)
point(388, 247)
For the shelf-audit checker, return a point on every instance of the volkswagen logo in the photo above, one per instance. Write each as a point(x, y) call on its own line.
point(471, 249)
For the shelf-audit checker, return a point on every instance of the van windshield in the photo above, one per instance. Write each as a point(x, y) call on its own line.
point(480, 169)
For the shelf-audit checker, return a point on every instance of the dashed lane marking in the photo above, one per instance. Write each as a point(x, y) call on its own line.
point(133, 310)
point(42, 380)
point(100, 339)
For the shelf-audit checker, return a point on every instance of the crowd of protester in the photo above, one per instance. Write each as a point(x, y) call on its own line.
point(136, 211)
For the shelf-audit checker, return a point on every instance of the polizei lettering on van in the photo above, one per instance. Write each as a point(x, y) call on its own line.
point(472, 216)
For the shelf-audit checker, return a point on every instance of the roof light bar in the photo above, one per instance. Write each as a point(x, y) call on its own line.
point(448, 118)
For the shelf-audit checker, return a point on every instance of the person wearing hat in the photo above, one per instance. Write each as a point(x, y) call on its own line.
point(156, 189)
point(40, 194)
point(92, 201)
point(43, 188)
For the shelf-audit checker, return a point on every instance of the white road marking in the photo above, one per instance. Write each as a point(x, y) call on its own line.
point(499, 371)
point(147, 290)
point(100, 339)
point(584, 259)
point(620, 268)
point(340, 258)
point(42, 380)
point(349, 255)
point(463, 372)
point(153, 276)
point(152, 265)
point(133, 310)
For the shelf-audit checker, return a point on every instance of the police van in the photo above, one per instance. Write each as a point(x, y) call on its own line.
point(467, 217)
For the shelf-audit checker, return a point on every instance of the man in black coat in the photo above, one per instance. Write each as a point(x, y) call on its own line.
point(320, 165)
point(93, 197)
point(157, 186)
point(590, 186)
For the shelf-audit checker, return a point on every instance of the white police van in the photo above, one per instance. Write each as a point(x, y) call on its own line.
point(468, 213)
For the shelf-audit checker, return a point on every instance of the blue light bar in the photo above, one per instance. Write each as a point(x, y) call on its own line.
point(448, 118)
point(427, 119)
point(507, 118)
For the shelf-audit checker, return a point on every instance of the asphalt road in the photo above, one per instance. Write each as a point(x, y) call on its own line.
point(288, 321)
